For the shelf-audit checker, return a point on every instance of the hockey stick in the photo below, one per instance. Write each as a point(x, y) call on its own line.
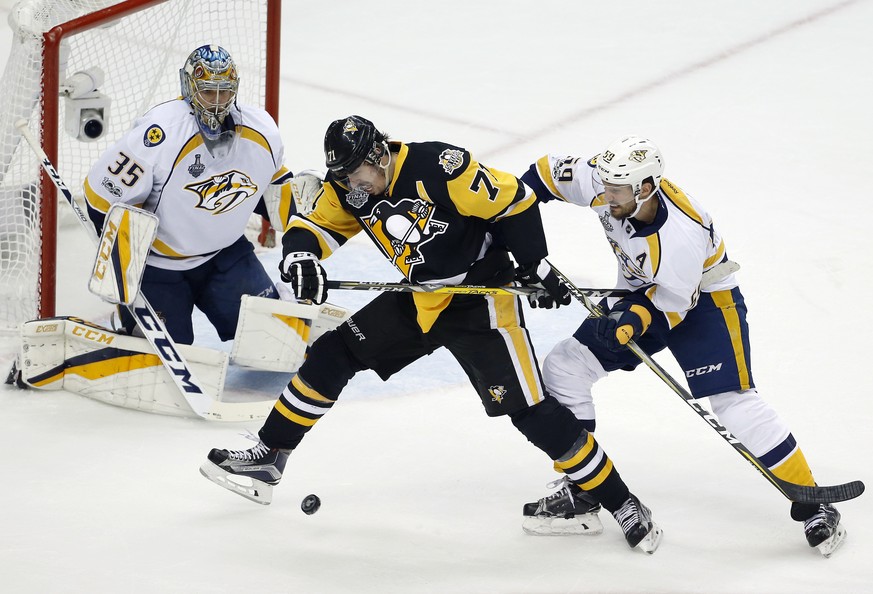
point(456, 289)
point(151, 325)
point(793, 491)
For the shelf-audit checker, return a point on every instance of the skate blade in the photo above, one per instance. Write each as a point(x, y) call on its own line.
point(585, 524)
point(257, 491)
point(828, 547)
point(652, 540)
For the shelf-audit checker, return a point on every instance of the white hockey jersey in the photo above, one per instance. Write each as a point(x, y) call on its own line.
point(203, 201)
point(668, 256)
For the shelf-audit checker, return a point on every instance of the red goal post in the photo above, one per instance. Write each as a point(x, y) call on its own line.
point(138, 46)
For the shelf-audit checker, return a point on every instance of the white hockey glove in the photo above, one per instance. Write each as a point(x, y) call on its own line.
point(307, 278)
point(306, 187)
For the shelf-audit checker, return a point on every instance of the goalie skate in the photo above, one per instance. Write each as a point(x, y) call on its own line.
point(251, 473)
point(569, 510)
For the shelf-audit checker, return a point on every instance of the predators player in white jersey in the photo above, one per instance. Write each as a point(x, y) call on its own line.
point(438, 216)
point(664, 241)
point(201, 163)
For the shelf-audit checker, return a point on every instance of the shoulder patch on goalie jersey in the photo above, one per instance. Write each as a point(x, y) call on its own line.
point(153, 136)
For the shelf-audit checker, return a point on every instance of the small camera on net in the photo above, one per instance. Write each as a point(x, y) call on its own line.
point(86, 108)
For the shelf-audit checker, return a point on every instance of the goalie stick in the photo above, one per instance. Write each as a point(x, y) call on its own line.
point(793, 491)
point(151, 325)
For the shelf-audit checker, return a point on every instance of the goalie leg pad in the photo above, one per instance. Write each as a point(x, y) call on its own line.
point(84, 358)
point(275, 335)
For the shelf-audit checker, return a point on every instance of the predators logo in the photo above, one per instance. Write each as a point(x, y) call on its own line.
point(638, 156)
point(633, 274)
point(401, 229)
point(223, 192)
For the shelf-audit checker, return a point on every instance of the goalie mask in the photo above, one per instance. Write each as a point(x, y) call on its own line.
point(351, 141)
point(209, 83)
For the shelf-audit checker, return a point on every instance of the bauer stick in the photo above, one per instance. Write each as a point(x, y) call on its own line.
point(793, 491)
point(457, 289)
point(152, 326)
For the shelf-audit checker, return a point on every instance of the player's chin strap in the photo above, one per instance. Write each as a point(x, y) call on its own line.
point(794, 492)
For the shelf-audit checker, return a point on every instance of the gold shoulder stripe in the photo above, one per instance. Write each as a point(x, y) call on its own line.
point(678, 197)
point(189, 146)
point(254, 136)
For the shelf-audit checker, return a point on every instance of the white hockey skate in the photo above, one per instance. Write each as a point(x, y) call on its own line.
point(824, 531)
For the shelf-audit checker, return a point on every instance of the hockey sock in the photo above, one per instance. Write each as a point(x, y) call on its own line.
point(587, 465)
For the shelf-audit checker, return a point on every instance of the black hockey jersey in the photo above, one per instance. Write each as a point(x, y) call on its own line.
point(442, 212)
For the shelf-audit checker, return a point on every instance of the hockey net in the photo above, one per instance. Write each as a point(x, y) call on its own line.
point(139, 45)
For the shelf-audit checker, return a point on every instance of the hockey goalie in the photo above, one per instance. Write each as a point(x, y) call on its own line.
point(171, 200)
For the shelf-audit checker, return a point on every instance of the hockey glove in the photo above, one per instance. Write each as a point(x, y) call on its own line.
point(629, 319)
point(539, 275)
point(306, 188)
point(305, 275)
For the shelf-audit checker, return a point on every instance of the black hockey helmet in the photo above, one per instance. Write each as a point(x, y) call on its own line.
point(349, 142)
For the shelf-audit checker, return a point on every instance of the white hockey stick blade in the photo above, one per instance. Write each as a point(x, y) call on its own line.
point(128, 233)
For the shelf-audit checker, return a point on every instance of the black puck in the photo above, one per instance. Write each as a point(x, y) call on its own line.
point(310, 504)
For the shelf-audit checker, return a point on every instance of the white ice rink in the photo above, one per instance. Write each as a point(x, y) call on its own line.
point(762, 110)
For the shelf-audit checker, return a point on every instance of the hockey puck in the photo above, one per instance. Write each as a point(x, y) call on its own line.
point(310, 504)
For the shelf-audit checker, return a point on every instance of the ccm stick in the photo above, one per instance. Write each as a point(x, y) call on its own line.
point(793, 491)
point(153, 328)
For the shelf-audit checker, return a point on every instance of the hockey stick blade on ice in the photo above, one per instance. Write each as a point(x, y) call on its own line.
point(792, 491)
point(153, 328)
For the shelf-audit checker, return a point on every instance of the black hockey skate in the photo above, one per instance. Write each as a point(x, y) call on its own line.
point(251, 473)
point(569, 510)
point(824, 531)
point(636, 522)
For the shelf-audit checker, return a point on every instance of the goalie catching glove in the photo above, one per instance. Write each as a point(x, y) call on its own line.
point(307, 278)
point(539, 275)
point(629, 319)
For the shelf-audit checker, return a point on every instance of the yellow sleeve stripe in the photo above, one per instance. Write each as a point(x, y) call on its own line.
point(725, 302)
point(518, 207)
point(545, 173)
point(282, 171)
point(325, 242)
point(94, 199)
point(716, 258)
point(678, 197)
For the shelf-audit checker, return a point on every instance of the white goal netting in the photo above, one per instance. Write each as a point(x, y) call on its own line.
point(139, 56)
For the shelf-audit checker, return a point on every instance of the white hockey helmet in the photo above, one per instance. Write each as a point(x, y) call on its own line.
point(630, 161)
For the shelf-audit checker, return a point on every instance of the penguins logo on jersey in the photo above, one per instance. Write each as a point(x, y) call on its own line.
point(223, 192)
point(498, 393)
point(401, 229)
point(632, 273)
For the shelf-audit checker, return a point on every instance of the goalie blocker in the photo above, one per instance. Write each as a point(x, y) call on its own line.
point(69, 353)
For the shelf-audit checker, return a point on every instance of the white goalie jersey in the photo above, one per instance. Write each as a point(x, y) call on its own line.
point(203, 200)
point(667, 257)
